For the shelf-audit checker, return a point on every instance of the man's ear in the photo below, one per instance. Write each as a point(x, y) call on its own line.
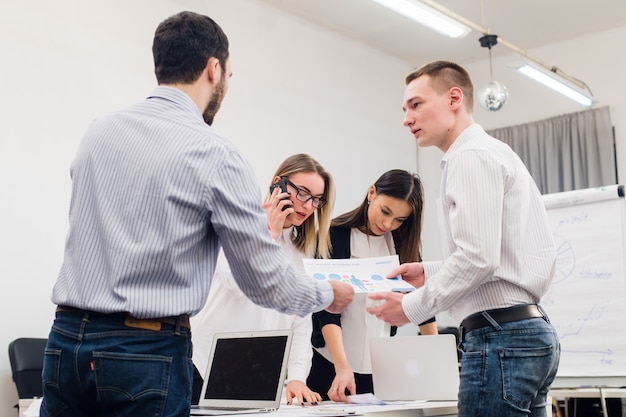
point(455, 96)
point(214, 70)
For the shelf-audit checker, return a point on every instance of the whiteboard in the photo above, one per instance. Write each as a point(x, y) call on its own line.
point(587, 299)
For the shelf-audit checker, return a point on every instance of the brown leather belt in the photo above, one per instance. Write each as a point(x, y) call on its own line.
point(130, 321)
point(500, 315)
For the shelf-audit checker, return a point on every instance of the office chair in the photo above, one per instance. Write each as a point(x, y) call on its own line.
point(455, 331)
point(26, 357)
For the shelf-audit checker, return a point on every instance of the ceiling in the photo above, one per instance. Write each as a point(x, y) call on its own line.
point(526, 24)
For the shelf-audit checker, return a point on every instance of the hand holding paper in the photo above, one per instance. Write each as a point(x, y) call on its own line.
point(366, 275)
point(342, 297)
point(412, 273)
point(391, 311)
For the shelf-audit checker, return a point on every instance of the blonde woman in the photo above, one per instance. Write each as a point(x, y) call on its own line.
point(299, 220)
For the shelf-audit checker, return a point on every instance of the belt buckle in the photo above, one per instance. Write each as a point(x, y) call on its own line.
point(461, 333)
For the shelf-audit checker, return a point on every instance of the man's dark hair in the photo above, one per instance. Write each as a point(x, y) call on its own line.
point(183, 44)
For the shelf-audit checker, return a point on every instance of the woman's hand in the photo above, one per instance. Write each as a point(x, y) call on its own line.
point(275, 214)
point(344, 380)
point(298, 392)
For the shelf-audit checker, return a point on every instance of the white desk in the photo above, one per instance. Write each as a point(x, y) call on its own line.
point(406, 409)
point(409, 409)
point(23, 405)
point(596, 392)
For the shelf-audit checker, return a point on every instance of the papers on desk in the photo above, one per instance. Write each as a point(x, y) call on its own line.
point(365, 399)
point(389, 409)
point(338, 410)
point(371, 399)
point(366, 275)
point(332, 411)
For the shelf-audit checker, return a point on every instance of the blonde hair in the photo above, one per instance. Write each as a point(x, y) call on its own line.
point(312, 236)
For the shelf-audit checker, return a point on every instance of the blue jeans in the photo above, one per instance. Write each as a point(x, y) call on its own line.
point(96, 366)
point(507, 369)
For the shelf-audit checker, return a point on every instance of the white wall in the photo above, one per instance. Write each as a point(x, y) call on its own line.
point(295, 88)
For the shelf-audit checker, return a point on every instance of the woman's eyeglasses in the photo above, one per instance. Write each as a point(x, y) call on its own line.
point(305, 196)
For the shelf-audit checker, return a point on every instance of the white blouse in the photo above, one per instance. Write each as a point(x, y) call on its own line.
point(357, 325)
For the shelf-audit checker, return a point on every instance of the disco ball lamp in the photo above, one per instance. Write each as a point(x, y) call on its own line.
point(493, 96)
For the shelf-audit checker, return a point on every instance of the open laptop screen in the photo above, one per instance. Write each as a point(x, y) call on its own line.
point(246, 368)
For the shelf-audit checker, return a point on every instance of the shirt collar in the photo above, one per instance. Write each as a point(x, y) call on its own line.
point(176, 96)
point(462, 139)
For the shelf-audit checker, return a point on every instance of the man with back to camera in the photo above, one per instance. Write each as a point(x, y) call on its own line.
point(155, 190)
point(498, 249)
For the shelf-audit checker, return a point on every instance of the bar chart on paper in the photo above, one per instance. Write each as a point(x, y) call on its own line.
point(365, 274)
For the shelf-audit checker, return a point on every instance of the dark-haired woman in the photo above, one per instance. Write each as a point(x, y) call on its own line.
point(388, 222)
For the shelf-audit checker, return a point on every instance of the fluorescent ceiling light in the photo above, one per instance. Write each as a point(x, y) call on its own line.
point(576, 91)
point(427, 16)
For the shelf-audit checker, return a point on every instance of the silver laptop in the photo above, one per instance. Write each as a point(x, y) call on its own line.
point(415, 368)
point(245, 373)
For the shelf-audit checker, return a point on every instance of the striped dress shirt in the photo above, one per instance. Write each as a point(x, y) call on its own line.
point(155, 192)
point(497, 243)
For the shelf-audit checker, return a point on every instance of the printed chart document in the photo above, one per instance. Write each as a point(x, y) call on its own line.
point(365, 274)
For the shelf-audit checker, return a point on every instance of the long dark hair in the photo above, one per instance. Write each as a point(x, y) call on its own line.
point(400, 184)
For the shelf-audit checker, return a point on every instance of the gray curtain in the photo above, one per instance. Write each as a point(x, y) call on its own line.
point(566, 152)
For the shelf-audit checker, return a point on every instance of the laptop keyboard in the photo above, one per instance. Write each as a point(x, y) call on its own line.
point(228, 408)
point(199, 407)
point(220, 410)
